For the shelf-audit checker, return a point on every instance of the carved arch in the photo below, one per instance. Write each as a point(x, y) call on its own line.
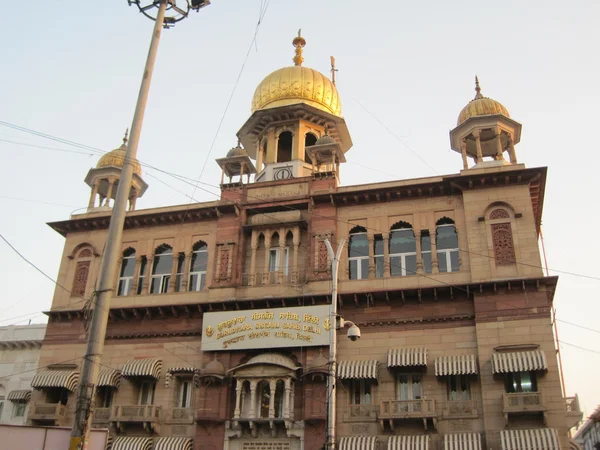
point(83, 246)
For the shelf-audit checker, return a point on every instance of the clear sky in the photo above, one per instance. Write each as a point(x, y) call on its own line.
point(72, 69)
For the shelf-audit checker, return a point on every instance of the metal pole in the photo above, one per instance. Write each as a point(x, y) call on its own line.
point(331, 379)
point(110, 260)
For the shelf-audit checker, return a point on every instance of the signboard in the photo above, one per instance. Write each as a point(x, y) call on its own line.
point(301, 326)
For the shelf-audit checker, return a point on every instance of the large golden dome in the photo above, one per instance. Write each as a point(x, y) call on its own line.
point(297, 84)
point(481, 106)
point(116, 157)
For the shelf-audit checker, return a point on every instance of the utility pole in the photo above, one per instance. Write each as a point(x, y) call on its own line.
point(331, 379)
point(110, 260)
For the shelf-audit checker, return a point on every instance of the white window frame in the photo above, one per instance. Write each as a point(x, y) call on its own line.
point(184, 396)
point(411, 382)
point(164, 278)
point(274, 254)
point(201, 279)
point(358, 259)
point(151, 386)
point(362, 386)
point(402, 256)
point(446, 253)
point(128, 281)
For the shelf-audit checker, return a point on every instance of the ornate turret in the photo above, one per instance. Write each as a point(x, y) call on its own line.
point(291, 109)
point(236, 163)
point(485, 129)
point(104, 179)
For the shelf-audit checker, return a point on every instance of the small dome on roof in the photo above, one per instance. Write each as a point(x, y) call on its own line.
point(237, 151)
point(214, 368)
point(116, 158)
point(275, 359)
point(481, 106)
point(319, 363)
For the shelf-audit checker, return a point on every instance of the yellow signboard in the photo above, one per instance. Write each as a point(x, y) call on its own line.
point(300, 326)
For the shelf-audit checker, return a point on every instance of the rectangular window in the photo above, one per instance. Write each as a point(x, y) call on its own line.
point(458, 388)
point(403, 253)
point(379, 255)
point(358, 256)
point(179, 275)
point(521, 382)
point(409, 387)
point(426, 251)
point(126, 275)
point(147, 389)
point(142, 274)
point(447, 248)
point(19, 409)
point(185, 394)
point(360, 392)
point(105, 397)
point(274, 260)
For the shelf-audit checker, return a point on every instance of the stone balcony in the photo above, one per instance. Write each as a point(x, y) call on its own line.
point(519, 403)
point(393, 411)
point(273, 278)
point(101, 417)
point(146, 415)
point(460, 409)
point(574, 413)
point(181, 416)
point(52, 413)
point(361, 413)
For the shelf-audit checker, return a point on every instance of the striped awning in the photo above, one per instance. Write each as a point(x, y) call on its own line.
point(19, 396)
point(358, 443)
point(132, 443)
point(407, 357)
point(52, 378)
point(456, 365)
point(109, 378)
point(148, 367)
point(358, 369)
point(519, 361)
point(109, 442)
point(408, 442)
point(463, 441)
point(173, 443)
point(538, 439)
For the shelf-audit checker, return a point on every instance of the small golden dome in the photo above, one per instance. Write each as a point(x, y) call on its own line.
point(481, 106)
point(116, 157)
point(297, 84)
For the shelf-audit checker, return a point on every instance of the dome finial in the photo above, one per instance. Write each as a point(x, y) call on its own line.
point(477, 88)
point(299, 42)
point(125, 137)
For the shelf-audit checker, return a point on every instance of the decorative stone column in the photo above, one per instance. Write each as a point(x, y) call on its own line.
point(386, 255)
point(272, 387)
point(477, 134)
point(499, 154)
point(174, 263)
point(434, 256)
point(419, 254)
point(265, 274)
point(132, 199)
point(463, 151)
point(92, 202)
point(253, 248)
point(296, 268)
point(292, 398)
point(282, 237)
point(187, 266)
point(238, 400)
point(286, 398)
point(147, 277)
point(111, 183)
point(371, 239)
point(253, 406)
point(511, 150)
point(136, 275)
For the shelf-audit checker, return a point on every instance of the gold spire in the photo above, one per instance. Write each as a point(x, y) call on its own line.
point(125, 137)
point(477, 88)
point(299, 42)
point(333, 69)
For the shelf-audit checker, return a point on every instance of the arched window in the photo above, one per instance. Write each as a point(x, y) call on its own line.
point(502, 239)
point(82, 272)
point(284, 147)
point(263, 391)
point(403, 250)
point(198, 266)
point(358, 254)
point(127, 272)
point(446, 241)
point(161, 269)
point(309, 140)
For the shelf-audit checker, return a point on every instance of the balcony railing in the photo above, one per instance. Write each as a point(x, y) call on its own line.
point(407, 409)
point(523, 402)
point(574, 413)
point(101, 415)
point(455, 409)
point(181, 415)
point(362, 413)
point(273, 278)
point(148, 415)
point(48, 411)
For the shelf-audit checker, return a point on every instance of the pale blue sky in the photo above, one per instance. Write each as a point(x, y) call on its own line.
point(72, 69)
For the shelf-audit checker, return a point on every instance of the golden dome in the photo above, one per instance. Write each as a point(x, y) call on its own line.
point(481, 106)
point(297, 84)
point(116, 157)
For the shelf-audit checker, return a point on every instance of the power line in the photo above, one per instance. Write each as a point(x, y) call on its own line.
point(581, 348)
point(578, 326)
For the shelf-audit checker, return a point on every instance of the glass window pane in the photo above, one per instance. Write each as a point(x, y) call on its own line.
point(454, 261)
point(353, 268)
point(199, 261)
point(124, 287)
point(425, 242)
point(426, 262)
point(526, 382)
point(364, 268)
point(411, 264)
point(395, 266)
point(378, 250)
point(155, 287)
point(273, 260)
point(402, 387)
point(442, 261)
point(359, 245)
point(127, 267)
point(163, 264)
point(446, 237)
point(379, 266)
point(402, 241)
point(416, 387)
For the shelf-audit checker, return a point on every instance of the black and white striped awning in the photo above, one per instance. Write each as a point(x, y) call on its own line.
point(358, 443)
point(462, 441)
point(148, 367)
point(407, 357)
point(173, 443)
point(109, 442)
point(456, 365)
point(536, 439)
point(182, 370)
point(19, 396)
point(357, 369)
point(519, 361)
point(132, 443)
point(109, 378)
point(54, 378)
point(408, 442)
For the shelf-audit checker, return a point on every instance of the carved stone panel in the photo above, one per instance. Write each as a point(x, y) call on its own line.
point(504, 250)
point(82, 271)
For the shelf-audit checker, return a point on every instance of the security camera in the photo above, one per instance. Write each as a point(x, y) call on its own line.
point(354, 333)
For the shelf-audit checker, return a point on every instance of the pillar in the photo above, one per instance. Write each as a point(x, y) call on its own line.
point(511, 150)
point(499, 154)
point(92, 202)
point(282, 239)
point(175, 256)
point(463, 151)
point(477, 135)
point(371, 239)
point(238, 399)
point(386, 255)
point(265, 274)
point(253, 404)
point(272, 387)
point(132, 200)
point(286, 399)
point(147, 276)
point(292, 399)
point(434, 256)
point(136, 275)
point(111, 183)
point(296, 267)
point(259, 157)
point(419, 255)
point(253, 248)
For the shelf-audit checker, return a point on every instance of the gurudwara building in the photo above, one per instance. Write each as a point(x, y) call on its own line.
point(218, 336)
